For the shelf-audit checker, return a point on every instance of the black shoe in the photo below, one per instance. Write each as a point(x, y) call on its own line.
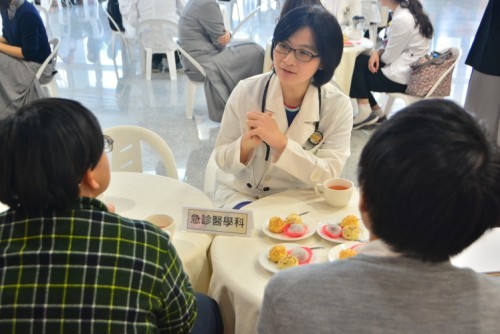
point(178, 66)
point(372, 119)
point(382, 120)
point(155, 67)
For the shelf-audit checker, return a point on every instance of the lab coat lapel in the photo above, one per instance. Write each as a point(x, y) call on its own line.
point(302, 126)
point(274, 103)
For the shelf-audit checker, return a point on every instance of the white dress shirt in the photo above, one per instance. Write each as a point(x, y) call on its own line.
point(136, 11)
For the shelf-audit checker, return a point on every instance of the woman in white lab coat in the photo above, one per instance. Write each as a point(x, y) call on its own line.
point(388, 68)
point(289, 128)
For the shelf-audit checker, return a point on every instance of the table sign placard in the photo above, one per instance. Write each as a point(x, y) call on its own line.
point(217, 221)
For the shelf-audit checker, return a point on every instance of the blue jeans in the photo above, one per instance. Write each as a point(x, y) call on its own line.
point(209, 319)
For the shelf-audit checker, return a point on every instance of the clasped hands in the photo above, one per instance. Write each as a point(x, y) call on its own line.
point(262, 127)
point(224, 39)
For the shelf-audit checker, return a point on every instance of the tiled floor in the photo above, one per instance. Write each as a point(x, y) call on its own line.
point(121, 95)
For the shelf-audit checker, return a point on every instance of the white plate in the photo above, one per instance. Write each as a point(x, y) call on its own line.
point(273, 267)
point(364, 235)
point(282, 236)
point(333, 254)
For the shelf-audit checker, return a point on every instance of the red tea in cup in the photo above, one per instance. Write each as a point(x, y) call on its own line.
point(338, 187)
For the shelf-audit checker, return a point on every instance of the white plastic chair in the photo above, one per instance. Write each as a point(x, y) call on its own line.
point(50, 87)
point(117, 33)
point(44, 14)
point(157, 36)
point(244, 21)
point(191, 89)
point(409, 99)
point(127, 152)
point(210, 181)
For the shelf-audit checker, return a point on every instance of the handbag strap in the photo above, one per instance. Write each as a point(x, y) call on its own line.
point(440, 59)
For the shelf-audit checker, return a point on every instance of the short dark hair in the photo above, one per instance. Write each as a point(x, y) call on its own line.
point(430, 181)
point(288, 5)
point(327, 35)
point(45, 149)
point(422, 21)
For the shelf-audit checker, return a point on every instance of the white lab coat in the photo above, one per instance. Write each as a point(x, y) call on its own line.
point(136, 11)
point(405, 45)
point(296, 167)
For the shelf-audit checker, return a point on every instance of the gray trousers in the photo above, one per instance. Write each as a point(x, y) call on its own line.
point(483, 100)
point(18, 84)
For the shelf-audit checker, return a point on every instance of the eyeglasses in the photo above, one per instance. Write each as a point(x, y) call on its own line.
point(108, 144)
point(300, 54)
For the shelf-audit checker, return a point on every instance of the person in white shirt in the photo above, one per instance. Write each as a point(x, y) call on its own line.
point(289, 128)
point(136, 11)
point(388, 69)
point(429, 187)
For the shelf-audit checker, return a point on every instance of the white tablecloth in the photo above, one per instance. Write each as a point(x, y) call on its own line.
point(343, 73)
point(238, 280)
point(483, 255)
point(137, 195)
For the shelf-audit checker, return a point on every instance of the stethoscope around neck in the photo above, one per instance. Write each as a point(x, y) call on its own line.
point(314, 139)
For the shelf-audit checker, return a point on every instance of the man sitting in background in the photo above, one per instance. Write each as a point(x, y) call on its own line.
point(430, 187)
point(136, 11)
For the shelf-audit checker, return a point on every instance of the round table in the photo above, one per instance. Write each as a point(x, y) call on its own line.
point(343, 74)
point(238, 280)
point(138, 195)
point(482, 255)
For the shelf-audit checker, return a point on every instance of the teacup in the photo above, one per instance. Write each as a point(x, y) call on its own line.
point(165, 222)
point(336, 191)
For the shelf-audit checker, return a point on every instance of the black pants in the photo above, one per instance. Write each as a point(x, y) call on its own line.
point(364, 82)
point(157, 57)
